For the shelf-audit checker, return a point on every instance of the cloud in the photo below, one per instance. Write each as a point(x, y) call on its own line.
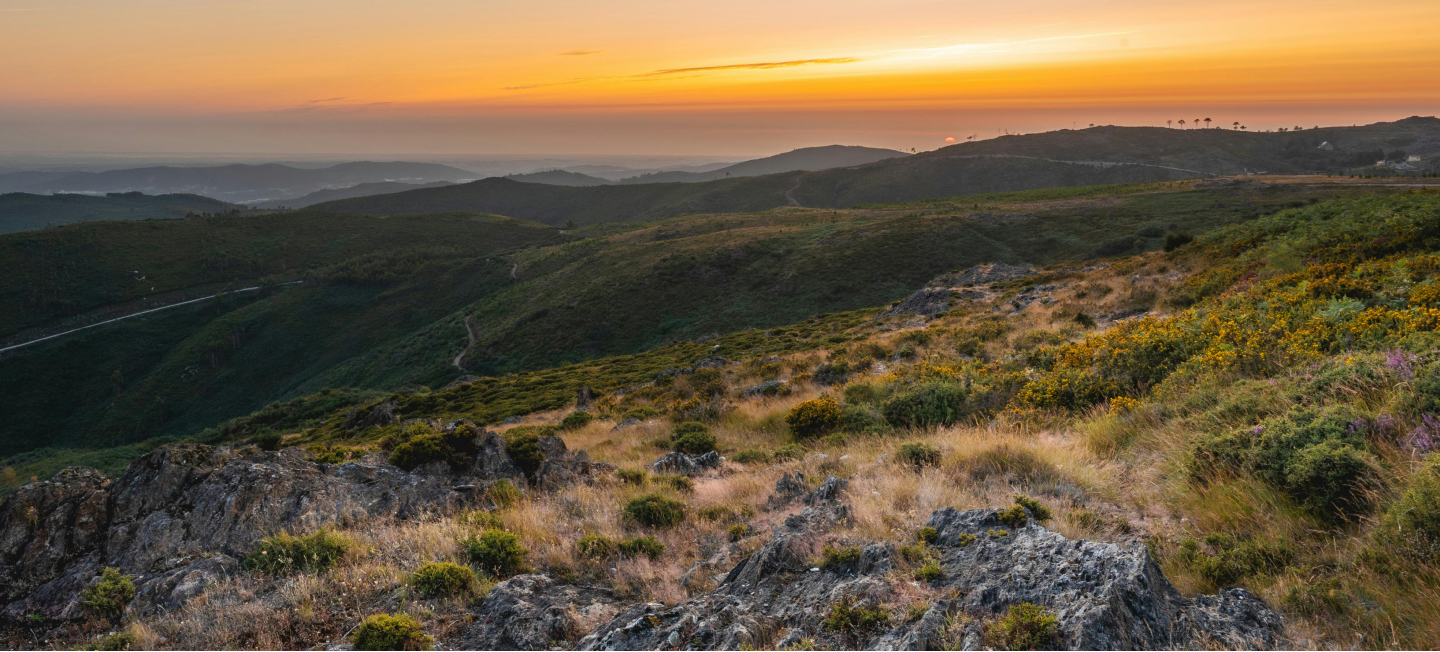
point(754, 66)
point(328, 99)
point(579, 53)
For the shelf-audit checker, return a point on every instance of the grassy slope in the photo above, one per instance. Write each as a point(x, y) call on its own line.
point(62, 272)
point(24, 211)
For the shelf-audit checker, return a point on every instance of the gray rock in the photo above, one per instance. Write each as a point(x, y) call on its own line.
point(1104, 596)
point(627, 423)
point(535, 612)
point(925, 301)
point(48, 526)
point(167, 591)
point(712, 361)
point(788, 489)
point(767, 388)
point(686, 464)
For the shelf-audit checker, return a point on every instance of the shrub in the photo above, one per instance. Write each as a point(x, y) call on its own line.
point(636, 546)
point(751, 456)
point(1411, 526)
point(864, 393)
point(1013, 517)
point(738, 532)
point(814, 418)
point(108, 597)
point(576, 420)
point(716, 513)
point(1040, 512)
point(681, 483)
point(930, 572)
point(1026, 626)
point(268, 440)
point(927, 405)
point(919, 454)
point(641, 412)
point(855, 622)
point(504, 493)
point(632, 476)
point(443, 579)
point(498, 553)
point(693, 438)
point(1230, 560)
point(927, 534)
point(859, 419)
point(708, 383)
point(965, 539)
point(655, 510)
point(385, 632)
point(1175, 240)
point(596, 546)
point(789, 452)
point(456, 448)
point(116, 641)
point(523, 447)
point(283, 553)
point(833, 557)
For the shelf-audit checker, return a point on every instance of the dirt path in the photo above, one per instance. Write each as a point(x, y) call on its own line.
point(791, 198)
point(469, 330)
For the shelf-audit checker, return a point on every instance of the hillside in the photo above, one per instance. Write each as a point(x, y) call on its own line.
point(1227, 445)
point(244, 183)
point(559, 178)
point(807, 158)
point(1095, 156)
point(386, 301)
point(357, 190)
point(24, 211)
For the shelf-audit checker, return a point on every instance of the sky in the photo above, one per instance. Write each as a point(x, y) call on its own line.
point(684, 77)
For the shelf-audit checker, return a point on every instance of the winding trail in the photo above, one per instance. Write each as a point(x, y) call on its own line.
point(791, 198)
point(469, 330)
point(136, 314)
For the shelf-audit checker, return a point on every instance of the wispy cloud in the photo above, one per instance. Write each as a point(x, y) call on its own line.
point(754, 66)
point(579, 53)
point(328, 99)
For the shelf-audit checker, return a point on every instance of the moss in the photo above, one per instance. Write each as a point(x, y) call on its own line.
point(443, 579)
point(1026, 626)
point(283, 553)
point(498, 553)
point(108, 597)
point(386, 632)
point(655, 510)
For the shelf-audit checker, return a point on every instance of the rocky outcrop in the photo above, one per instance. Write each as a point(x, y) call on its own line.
point(686, 464)
point(535, 612)
point(925, 301)
point(982, 274)
point(1104, 596)
point(181, 516)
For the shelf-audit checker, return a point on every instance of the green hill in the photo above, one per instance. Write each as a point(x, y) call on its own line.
point(21, 211)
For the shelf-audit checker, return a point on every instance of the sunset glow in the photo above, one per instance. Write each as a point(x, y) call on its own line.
point(212, 67)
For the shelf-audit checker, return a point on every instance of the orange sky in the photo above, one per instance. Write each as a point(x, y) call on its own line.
point(738, 77)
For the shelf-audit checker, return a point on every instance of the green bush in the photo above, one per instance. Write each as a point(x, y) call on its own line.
point(1411, 526)
point(283, 553)
point(443, 579)
point(864, 393)
point(636, 546)
point(855, 622)
point(693, 438)
point(498, 553)
point(1230, 560)
point(681, 483)
point(268, 440)
point(927, 534)
point(927, 405)
point(504, 493)
point(708, 383)
point(751, 456)
point(632, 476)
point(108, 597)
point(523, 446)
point(814, 418)
point(576, 420)
point(655, 510)
point(1026, 626)
point(860, 419)
point(918, 454)
point(739, 531)
point(114, 642)
point(789, 453)
point(596, 546)
point(1175, 240)
point(930, 572)
point(1013, 517)
point(832, 557)
point(1040, 512)
point(384, 632)
point(456, 448)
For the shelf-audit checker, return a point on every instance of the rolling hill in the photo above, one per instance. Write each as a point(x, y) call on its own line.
point(559, 178)
point(1096, 156)
point(807, 158)
point(245, 183)
point(21, 211)
point(357, 190)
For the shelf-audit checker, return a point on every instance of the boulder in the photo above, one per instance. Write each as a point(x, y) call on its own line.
point(167, 591)
point(925, 301)
point(536, 612)
point(788, 489)
point(48, 526)
point(686, 464)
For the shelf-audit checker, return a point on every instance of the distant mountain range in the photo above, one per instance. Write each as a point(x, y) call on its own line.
point(358, 190)
point(232, 183)
point(1099, 155)
point(21, 211)
point(560, 178)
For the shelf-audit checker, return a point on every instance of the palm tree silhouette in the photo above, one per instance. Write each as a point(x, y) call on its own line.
point(1236, 124)
point(1167, 124)
point(1207, 123)
point(1182, 124)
